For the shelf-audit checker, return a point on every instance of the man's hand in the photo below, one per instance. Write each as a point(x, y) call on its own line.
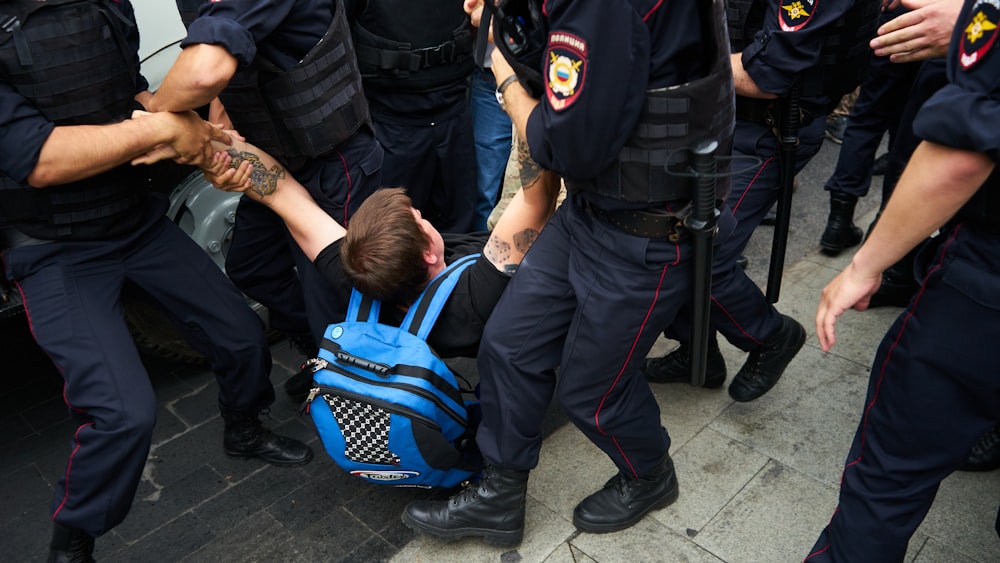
point(920, 34)
point(223, 176)
point(851, 288)
point(475, 10)
point(188, 138)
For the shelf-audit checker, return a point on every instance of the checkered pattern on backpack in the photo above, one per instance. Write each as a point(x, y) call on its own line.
point(366, 430)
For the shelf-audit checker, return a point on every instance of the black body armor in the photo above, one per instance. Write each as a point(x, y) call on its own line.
point(306, 111)
point(655, 163)
point(73, 61)
point(413, 46)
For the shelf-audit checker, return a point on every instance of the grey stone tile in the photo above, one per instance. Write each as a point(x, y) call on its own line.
point(567, 553)
point(317, 498)
point(13, 427)
point(203, 444)
point(711, 469)
point(199, 405)
point(176, 540)
point(168, 425)
point(808, 419)
point(160, 503)
point(328, 539)
point(569, 469)
point(373, 550)
point(54, 442)
point(934, 552)
point(963, 515)
point(26, 531)
point(262, 489)
point(24, 492)
point(380, 508)
point(258, 534)
point(544, 531)
point(647, 541)
point(776, 517)
point(46, 413)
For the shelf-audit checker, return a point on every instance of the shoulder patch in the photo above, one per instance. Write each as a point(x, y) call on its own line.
point(793, 15)
point(979, 33)
point(566, 63)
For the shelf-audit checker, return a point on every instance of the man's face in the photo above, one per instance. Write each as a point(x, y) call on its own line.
point(432, 234)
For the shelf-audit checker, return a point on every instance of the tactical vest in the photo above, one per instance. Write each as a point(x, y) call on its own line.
point(72, 60)
point(411, 45)
point(843, 56)
point(306, 111)
point(655, 163)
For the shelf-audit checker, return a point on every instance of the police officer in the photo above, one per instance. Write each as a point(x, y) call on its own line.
point(77, 224)
point(940, 355)
point(288, 78)
point(786, 52)
point(415, 58)
point(612, 264)
point(880, 102)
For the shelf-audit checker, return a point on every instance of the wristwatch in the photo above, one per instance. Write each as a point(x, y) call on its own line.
point(502, 88)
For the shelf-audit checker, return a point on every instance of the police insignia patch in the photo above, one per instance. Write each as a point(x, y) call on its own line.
point(793, 15)
point(979, 32)
point(567, 65)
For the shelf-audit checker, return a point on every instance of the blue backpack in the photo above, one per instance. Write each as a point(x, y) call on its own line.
point(387, 408)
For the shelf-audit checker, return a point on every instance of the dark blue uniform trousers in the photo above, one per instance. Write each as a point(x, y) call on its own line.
point(739, 310)
point(881, 99)
point(436, 164)
point(588, 299)
point(72, 294)
point(932, 392)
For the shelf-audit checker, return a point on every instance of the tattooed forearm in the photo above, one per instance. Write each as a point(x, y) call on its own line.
point(524, 239)
point(497, 251)
point(527, 169)
point(262, 181)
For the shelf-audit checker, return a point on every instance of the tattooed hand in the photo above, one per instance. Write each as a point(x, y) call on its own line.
point(263, 181)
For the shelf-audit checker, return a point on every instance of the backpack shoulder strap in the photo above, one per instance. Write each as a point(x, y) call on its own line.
point(362, 308)
point(425, 310)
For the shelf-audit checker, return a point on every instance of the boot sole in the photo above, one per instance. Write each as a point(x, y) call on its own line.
point(593, 528)
point(492, 537)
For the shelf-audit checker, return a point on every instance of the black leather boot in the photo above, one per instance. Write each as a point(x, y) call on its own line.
point(70, 545)
point(768, 361)
point(493, 509)
point(841, 233)
point(624, 500)
point(246, 437)
point(675, 367)
point(985, 454)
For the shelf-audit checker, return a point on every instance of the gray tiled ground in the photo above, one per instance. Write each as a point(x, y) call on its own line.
point(758, 480)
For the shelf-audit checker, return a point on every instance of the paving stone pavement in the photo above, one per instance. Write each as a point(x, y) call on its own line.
point(758, 480)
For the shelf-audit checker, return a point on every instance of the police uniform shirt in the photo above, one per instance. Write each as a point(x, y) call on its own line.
point(790, 41)
point(459, 328)
point(600, 60)
point(283, 32)
point(23, 128)
point(964, 114)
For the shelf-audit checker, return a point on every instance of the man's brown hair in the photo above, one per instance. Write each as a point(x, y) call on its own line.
point(382, 252)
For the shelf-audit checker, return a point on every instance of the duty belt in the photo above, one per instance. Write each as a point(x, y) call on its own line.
point(648, 223)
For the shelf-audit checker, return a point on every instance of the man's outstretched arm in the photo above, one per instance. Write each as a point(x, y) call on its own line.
point(525, 215)
point(244, 167)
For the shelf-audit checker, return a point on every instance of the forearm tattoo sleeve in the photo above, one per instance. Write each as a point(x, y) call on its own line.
point(262, 181)
point(527, 169)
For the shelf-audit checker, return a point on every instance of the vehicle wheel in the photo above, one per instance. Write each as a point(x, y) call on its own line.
point(207, 215)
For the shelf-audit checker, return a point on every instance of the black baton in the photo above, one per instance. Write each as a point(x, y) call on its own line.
point(701, 223)
point(788, 139)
